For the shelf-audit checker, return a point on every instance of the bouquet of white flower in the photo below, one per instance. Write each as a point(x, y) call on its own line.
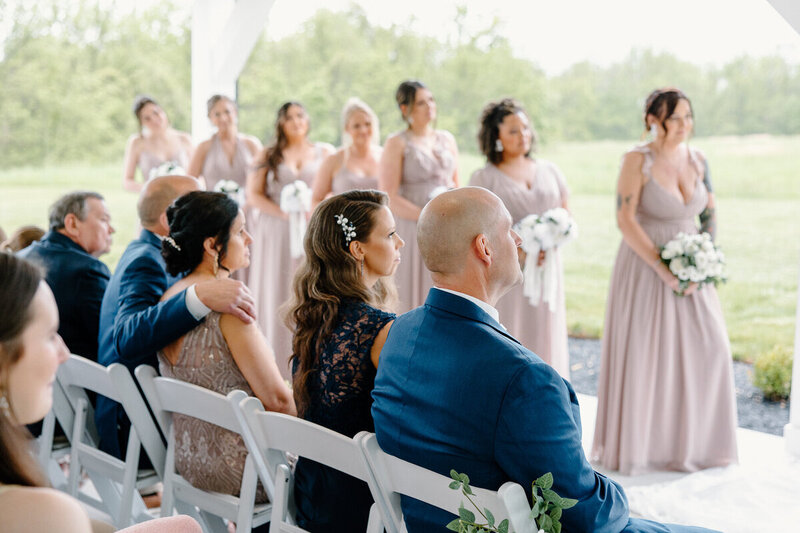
point(232, 189)
point(169, 168)
point(694, 259)
point(544, 232)
point(296, 201)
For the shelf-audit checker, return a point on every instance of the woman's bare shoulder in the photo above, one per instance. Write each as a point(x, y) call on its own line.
point(39, 509)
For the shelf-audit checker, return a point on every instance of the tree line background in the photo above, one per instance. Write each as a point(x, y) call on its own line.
point(68, 76)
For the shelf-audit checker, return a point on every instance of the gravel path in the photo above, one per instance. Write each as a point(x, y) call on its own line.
point(754, 412)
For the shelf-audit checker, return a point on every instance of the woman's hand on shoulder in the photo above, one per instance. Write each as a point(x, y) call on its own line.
point(42, 510)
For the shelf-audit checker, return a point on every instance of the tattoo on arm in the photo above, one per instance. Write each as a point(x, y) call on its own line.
point(626, 201)
point(708, 222)
point(707, 177)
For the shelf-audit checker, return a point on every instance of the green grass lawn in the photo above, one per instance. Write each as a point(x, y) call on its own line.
point(755, 180)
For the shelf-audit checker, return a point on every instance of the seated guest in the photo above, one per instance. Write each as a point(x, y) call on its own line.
point(30, 352)
point(22, 238)
point(340, 324)
point(207, 240)
point(134, 322)
point(455, 391)
point(80, 232)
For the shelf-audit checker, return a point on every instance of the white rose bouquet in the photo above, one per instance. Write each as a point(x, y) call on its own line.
point(694, 259)
point(296, 201)
point(544, 232)
point(169, 168)
point(232, 189)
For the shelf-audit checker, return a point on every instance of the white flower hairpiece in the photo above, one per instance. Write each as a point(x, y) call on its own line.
point(348, 228)
point(172, 242)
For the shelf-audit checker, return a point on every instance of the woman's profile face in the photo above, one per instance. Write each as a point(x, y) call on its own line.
point(153, 117)
point(359, 127)
point(381, 247)
point(238, 254)
point(30, 379)
point(424, 110)
point(295, 123)
point(515, 134)
point(223, 115)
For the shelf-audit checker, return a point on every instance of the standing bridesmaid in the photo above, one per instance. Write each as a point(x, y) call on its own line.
point(228, 154)
point(526, 185)
point(355, 164)
point(156, 143)
point(417, 163)
point(291, 156)
point(666, 397)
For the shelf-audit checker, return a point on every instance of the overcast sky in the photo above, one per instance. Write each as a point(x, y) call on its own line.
point(558, 33)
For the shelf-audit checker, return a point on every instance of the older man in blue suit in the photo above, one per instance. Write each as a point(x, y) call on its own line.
point(80, 232)
point(134, 323)
point(455, 391)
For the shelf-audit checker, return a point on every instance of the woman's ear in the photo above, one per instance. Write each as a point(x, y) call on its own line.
point(210, 246)
point(357, 250)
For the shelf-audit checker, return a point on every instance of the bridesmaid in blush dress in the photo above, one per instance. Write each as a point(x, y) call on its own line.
point(416, 164)
point(526, 185)
point(227, 155)
point(666, 397)
point(290, 157)
point(156, 143)
point(355, 164)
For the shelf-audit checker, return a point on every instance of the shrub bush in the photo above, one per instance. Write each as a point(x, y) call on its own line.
point(772, 373)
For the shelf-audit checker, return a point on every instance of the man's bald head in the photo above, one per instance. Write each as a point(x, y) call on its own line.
point(159, 193)
point(450, 222)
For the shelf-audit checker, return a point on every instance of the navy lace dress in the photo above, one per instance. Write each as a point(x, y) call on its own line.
point(340, 399)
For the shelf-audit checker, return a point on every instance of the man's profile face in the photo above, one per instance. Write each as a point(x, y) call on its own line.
point(507, 267)
point(94, 232)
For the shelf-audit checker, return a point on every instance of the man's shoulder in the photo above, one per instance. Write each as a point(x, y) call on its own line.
point(62, 259)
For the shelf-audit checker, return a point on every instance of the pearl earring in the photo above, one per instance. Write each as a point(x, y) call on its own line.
point(498, 145)
point(653, 130)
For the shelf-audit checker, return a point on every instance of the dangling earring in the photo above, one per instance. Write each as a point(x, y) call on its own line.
point(4, 407)
point(653, 130)
point(215, 267)
point(498, 145)
point(362, 268)
point(410, 120)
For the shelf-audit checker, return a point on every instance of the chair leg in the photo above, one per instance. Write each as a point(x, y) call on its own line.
point(247, 496)
point(77, 439)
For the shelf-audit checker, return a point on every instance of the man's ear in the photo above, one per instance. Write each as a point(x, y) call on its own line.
point(357, 250)
point(163, 222)
point(482, 249)
point(71, 224)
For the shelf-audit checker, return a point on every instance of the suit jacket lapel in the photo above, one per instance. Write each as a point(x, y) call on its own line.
point(457, 305)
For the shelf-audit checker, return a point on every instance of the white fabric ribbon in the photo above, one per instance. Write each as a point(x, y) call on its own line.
point(296, 201)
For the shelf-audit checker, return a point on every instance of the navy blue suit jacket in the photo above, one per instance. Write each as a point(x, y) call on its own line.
point(134, 325)
point(455, 390)
point(78, 282)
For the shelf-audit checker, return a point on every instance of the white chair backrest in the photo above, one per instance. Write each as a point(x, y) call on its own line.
point(115, 480)
point(167, 396)
point(393, 477)
point(270, 435)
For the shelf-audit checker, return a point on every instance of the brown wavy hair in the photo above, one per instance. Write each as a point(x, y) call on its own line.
point(492, 116)
point(328, 275)
point(19, 281)
point(273, 154)
point(661, 104)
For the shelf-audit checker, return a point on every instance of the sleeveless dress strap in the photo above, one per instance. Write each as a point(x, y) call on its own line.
point(647, 165)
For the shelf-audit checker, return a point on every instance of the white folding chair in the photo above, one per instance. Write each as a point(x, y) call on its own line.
point(115, 480)
point(270, 435)
point(167, 396)
point(49, 450)
point(392, 477)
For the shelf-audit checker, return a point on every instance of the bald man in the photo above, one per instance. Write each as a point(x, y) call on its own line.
point(134, 324)
point(455, 391)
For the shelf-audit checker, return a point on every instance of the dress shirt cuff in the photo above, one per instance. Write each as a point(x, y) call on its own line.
point(197, 308)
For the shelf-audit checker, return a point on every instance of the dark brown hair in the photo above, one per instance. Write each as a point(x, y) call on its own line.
point(328, 275)
point(138, 104)
point(19, 281)
point(661, 104)
point(405, 95)
point(216, 98)
point(491, 118)
point(273, 154)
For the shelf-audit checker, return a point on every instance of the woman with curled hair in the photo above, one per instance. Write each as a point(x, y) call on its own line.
point(291, 156)
point(527, 185)
point(417, 164)
point(355, 164)
point(30, 352)
point(342, 294)
point(156, 144)
point(207, 239)
point(666, 398)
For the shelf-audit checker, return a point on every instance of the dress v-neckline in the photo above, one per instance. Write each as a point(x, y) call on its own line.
point(682, 199)
point(518, 185)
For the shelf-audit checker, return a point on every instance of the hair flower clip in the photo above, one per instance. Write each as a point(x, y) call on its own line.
point(348, 228)
point(172, 242)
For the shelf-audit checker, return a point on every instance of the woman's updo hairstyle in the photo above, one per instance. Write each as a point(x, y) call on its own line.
point(492, 116)
point(661, 104)
point(192, 219)
point(405, 95)
point(217, 98)
point(139, 103)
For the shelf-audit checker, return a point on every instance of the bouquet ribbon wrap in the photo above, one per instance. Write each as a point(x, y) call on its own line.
point(296, 201)
point(544, 232)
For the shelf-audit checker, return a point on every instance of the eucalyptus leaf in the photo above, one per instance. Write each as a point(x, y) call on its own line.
point(466, 514)
point(566, 503)
point(489, 516)
point(551, 496)
point(545, 523)
point(455, 485)
point(556, 526)
point(455, 475)
point(545, 481)
point(555, 514)
point(455, 525)
point(503, 526)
